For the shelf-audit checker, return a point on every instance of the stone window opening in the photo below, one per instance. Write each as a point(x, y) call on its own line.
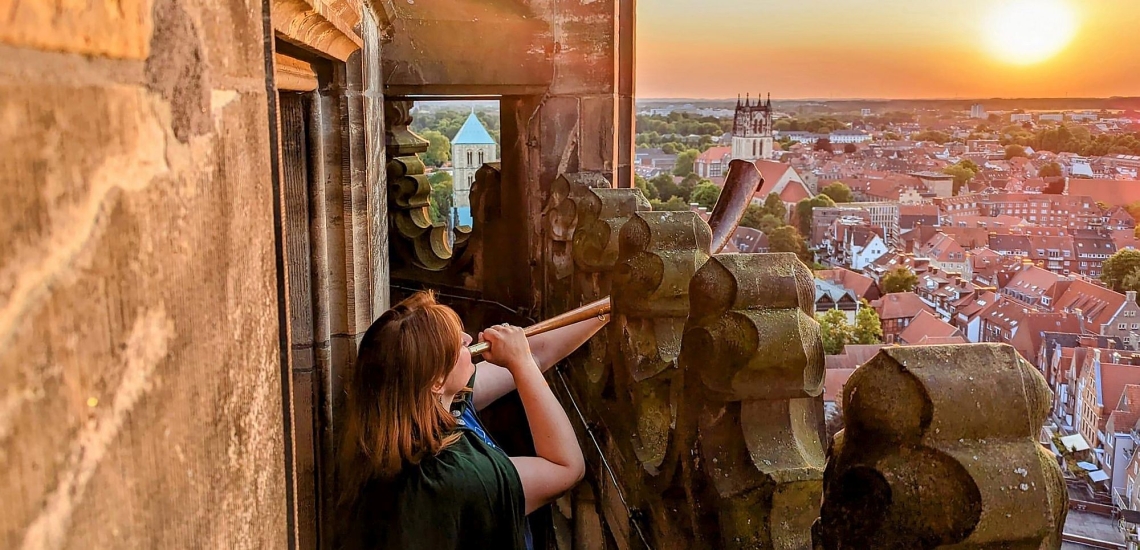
point(319, 162)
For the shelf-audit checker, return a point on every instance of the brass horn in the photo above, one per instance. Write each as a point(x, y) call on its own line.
point(740, 186)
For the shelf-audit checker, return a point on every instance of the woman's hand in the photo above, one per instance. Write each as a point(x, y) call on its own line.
point(509, 347)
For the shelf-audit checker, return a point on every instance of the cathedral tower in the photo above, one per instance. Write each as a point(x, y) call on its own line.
point(470, 150)
point(752, 130)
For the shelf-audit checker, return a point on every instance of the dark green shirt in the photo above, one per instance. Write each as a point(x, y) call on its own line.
point(468, 496)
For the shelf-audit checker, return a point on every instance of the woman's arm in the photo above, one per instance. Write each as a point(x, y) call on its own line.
point(559, 464)
point(547, 348)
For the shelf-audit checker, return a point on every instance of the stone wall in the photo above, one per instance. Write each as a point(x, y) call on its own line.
point(140, 371)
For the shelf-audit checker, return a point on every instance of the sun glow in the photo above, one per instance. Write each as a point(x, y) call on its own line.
point(1027, 32)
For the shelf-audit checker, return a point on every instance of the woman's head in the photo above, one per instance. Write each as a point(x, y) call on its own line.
point(409, 359)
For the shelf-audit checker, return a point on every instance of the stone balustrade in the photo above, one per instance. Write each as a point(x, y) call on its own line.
point(704, 397)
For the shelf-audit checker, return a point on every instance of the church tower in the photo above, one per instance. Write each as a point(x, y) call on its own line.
point(752, 138)
point(471, 149)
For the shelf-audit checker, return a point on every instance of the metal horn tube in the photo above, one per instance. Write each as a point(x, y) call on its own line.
point(740, 186)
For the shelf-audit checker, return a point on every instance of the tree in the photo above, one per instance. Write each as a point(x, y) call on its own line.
point(439, 148)
point(962, 174)
point(770, 223)
point(804, 208)
point(705, 194)
point(868, 328)
point(685, 161)
point(838, 191)
point(666, 186)
point(787, 239)
point(687, 185)
point(752, 215)
point(675, 204)
point(1119, 267)
point(1131, 282)
point(669, 149)
point(899, 279)
point(891, 136)
point(1015, 150)
point(849, 148)
point(441, 195)
point(774, 206)
point(647, 187)
point(835, 331)
point(822, 144)
point(1051, 170)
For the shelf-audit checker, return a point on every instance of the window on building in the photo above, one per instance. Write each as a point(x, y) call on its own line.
point(1122, 326)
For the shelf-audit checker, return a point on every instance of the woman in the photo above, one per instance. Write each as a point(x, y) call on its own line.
point(419, 471)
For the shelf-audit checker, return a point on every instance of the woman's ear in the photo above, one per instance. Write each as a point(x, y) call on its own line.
point(437, 387)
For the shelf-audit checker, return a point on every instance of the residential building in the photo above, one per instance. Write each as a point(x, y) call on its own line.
point(780, 178)
point(1100, 308)
point(968, 314)
point(896, 310)
point(943, 291)
point(978, 111)
point(1099, 390)
point(926, 329)
point(1124, 323)
point(829, 296)
point(849, 136)
point(942, 185)
point(946, 254)
point(1069, 211)
point(655, 159)
point(1120, 436)
point(713, 162)
point(884, 215)
point(861, 285)
point(862, 246)
point(1034, 287)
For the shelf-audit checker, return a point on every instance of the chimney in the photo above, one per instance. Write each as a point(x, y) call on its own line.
point(1080, 318)
point(1116, 357)
point(1111, 344)
point(1130, 296)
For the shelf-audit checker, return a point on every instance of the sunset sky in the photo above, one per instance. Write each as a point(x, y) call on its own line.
point(888, 48)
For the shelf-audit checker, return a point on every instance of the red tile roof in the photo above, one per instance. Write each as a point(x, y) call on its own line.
point(714, 154)
point(833, 381)
point(862, 285)
point(900, 305)
point(1107, 191)
point(1127, 409)
point(925, 326)
point(1097, 304)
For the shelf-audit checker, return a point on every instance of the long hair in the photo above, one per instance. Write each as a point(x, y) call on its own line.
point(392, 417)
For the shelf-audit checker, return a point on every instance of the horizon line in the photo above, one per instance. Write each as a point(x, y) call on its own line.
point(893, 98)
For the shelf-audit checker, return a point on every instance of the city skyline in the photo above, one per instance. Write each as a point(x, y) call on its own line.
point(888, 49)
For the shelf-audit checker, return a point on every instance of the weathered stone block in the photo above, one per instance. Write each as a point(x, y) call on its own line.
point(754, 357)
point(111, 29)
point(940, 450)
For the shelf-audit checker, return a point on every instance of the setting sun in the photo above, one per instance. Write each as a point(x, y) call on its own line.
point(1025, 32)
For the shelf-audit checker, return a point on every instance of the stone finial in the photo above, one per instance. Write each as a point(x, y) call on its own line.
point(753, 348)
point(417, 240)
point(562, 215)
point(601, 215)
point(940, 449)
point(658, 252)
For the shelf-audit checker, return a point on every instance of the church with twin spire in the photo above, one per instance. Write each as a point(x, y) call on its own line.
point(752, 136)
